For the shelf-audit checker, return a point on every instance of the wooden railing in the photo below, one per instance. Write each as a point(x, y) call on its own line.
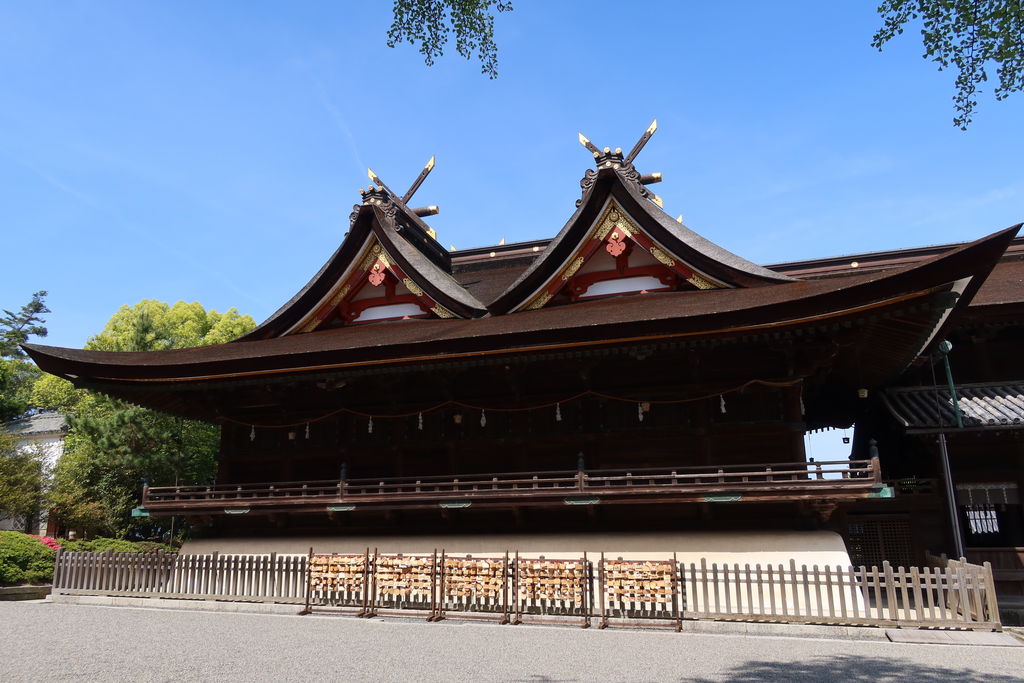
point(574, 589)
point(1007, 567)
point(825, 480)
point(913, 486)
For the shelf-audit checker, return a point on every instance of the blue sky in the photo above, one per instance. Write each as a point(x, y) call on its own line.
point(211, 152)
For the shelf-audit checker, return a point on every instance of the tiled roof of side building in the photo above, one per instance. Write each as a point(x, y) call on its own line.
point(40, 423)
point(987, 406)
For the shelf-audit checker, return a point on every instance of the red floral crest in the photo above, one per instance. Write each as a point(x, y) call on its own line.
point(377, 274)
point(616, 243)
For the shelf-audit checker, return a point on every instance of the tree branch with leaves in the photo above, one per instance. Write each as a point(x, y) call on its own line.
point(970, 35)
point(428, 23)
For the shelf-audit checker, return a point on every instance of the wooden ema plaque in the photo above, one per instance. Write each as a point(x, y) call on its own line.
point(551, 589)
point(474, 585)
point(337, 582)
point(639, 589)
point(404, 583)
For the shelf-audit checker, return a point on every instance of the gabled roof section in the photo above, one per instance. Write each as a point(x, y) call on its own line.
point(388, 248)
point(616, 200)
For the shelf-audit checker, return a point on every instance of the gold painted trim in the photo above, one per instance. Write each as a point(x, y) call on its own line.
point(614, 217)
point(538, 302)
point(662, 256)
point(442, 312)
point(576, 264)
point(700, 283)
point(412, 287)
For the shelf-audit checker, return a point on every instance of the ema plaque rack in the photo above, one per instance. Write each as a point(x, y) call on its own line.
point(552, 590)
point(640, 589)
point(474, 587)
point(337, 583)
point(404, 584)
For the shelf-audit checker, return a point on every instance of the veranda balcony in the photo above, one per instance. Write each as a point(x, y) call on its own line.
point(823, 482)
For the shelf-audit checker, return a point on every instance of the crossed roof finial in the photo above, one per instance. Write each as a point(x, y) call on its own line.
point(615, 160)
point(618, 150)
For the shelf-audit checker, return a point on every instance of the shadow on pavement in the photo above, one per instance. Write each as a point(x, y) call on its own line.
point(849, 668)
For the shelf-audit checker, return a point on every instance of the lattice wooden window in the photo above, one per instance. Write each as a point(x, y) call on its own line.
point(873, 541)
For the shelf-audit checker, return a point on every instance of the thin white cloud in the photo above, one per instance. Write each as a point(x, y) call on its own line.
point(165, 248)
point(338, 118)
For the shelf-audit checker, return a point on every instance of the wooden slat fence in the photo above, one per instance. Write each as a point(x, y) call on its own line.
point(960, 595)
point(243, 578)
point(957, 594)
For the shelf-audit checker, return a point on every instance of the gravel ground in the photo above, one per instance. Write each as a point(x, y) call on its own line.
point(44, 641)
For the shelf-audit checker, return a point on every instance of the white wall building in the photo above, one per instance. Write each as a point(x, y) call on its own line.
point(44, 432)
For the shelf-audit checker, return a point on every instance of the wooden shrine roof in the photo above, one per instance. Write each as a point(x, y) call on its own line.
point(683, 315)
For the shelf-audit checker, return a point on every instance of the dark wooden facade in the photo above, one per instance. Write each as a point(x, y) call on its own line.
point(986, 453)
point(626, 374)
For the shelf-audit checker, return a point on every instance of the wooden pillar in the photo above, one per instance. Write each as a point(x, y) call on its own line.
point(702, 422)
point(793, 415)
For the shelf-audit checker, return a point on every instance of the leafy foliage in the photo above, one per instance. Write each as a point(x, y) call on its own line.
point(154, 326)
point(429, 22)
point(16, 381)
point(50, 392)
point(969, 35)
point(17, 375)
point(22, 479)
point(24, 559)
point(112, 447)
point(16, 328)
point(117, 545)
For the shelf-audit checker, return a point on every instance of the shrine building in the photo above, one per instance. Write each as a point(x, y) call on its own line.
point(626, 376)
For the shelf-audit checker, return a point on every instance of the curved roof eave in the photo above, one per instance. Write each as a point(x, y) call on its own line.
point(440, 285)
point(320, 284)
point(684, 243)
point(686, 313)
point(367, 220)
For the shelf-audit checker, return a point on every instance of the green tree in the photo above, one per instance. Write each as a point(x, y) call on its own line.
point(17, 375)
point(16, 381)
point(22, 480)
point(428, 23)
point(970, 35)
point(112, 447)
point(50, 392)
point(16, 328)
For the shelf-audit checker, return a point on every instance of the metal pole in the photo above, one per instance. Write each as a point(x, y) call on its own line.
point(944, 348)
point(952, 393)
point(954, 517)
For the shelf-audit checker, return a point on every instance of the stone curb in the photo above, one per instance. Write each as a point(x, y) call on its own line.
point(24, 592)
point(705, 627)
point(175, 603)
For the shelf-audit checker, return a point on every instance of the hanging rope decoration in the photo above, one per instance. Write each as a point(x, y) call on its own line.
point(252, 433)
point(640, 412)
point(553, 404)
point(419, 424)
point(307, 431)
point(558, 412)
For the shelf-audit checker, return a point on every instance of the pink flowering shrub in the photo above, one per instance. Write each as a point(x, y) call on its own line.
point(48, 541)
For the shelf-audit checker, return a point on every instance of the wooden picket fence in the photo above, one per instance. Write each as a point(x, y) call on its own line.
point(961, 595)
point(956, 595)
point(243, 578)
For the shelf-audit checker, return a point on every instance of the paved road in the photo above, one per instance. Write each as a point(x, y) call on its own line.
point(54, 642)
